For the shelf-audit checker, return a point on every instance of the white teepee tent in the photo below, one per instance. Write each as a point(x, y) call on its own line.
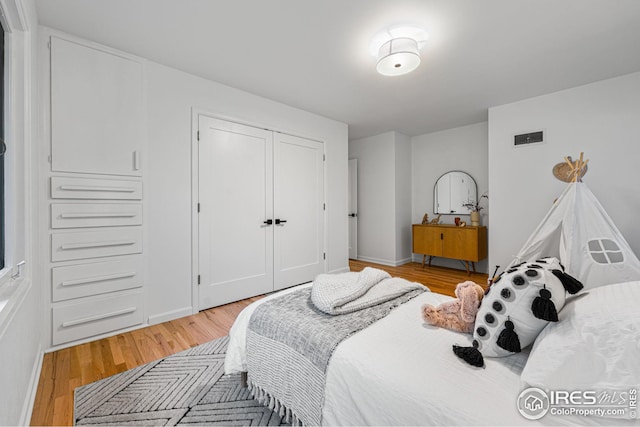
point(578, 231)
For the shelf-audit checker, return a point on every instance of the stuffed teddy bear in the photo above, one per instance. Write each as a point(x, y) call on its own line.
point(459, 314)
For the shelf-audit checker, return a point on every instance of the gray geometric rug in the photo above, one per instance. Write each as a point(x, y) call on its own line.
point(186, 388)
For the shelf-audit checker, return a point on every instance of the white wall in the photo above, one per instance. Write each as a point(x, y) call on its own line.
point(171, 95)
point(21, 322)
point(603, 120)
point(384, 199)
point(433, 154)
point(403, 197)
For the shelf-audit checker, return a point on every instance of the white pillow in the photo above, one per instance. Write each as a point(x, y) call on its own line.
point(595, 345)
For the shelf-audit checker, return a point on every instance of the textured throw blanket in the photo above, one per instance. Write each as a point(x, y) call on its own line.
point(289, 344)
point(349, 292)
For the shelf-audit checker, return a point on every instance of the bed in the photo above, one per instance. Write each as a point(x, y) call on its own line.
point(400, 371)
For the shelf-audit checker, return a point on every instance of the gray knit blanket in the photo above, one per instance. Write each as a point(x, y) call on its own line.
point(289, 344)
point(349, 292)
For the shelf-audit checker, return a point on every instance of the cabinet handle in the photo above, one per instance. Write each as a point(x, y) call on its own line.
point(70, 246)
point(136, 160)
point(97, 188)
point(98, 317)
point(99, 215)
point(97, 279)
point(441, 236)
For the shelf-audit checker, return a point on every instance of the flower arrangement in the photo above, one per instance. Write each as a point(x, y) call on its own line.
point(475, 206)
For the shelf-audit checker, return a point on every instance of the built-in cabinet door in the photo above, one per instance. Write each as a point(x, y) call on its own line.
point(97, 111)
point(298, 195)
point(235, 184)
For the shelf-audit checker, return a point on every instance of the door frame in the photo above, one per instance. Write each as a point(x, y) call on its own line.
point(195, 251)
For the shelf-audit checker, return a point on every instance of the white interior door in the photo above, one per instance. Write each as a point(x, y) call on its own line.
point(298, 210)
point(353, 208)
point(235, 186)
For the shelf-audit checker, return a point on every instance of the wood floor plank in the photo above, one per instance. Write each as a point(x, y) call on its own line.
point(66, 369)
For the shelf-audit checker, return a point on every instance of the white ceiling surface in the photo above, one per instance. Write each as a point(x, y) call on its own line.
point(314, 54)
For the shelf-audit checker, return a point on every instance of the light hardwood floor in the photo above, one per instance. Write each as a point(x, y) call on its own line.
point(66, 369)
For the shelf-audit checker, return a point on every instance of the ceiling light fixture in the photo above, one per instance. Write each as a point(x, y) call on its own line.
point(398, 49)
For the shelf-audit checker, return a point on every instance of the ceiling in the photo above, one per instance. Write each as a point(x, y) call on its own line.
point(314, 54)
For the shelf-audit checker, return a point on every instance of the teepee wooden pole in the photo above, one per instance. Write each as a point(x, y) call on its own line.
point(575, 170)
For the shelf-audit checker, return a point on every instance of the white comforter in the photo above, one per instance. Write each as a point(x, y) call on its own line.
point(400, 371)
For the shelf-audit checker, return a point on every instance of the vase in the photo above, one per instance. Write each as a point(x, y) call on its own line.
point(475, 218)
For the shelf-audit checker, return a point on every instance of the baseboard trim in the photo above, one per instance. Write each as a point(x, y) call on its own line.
point(340, 270)
point(30, 398)
point(384, 261)
point(170, 315)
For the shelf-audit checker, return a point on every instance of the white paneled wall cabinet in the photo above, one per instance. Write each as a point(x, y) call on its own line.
point(96, 222)
point(96, 110)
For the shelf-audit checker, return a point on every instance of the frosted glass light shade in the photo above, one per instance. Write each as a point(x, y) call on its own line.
point(398, 56)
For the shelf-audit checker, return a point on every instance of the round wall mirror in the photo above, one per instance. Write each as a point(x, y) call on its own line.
point(452, 190)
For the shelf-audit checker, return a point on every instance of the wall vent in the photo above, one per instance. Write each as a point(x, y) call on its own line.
point(528, 138)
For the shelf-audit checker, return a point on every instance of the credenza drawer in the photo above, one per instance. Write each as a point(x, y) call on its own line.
point(76, 281)
point(91, 188)
point(94, 244)
point(96, 316)
point(78, 215)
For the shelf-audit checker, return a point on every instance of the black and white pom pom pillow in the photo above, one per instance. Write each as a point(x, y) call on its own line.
point(516, 307)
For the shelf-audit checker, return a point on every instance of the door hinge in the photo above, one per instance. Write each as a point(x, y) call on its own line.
point(198, 279)
point(198, 135)
point(324, 157)
point(324, 255)
point(49, 158)
point(198, 207)
point(324, 206)
point(48, 44)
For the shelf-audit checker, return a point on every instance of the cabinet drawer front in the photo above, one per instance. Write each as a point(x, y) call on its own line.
point(93, 244)
point(76, 215)
point(83, 280)
point(89, 188)
point(96, 316)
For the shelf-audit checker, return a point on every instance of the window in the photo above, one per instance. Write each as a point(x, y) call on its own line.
point(605, 251)
point(2, 149)
point(16, 47)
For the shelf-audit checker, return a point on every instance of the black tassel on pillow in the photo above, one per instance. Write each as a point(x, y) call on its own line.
point(508, 339)
point(471, 355)
point(571, 285)
point(543, 308)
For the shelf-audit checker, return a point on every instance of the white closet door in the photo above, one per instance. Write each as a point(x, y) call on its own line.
point(236, 197)
point(298, 200)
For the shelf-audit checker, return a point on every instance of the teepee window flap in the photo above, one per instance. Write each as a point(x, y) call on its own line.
point(605, 251)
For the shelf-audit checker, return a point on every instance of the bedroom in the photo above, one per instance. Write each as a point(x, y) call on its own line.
point(590, 104)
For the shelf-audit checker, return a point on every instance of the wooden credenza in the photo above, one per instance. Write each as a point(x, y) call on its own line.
point(468, 244)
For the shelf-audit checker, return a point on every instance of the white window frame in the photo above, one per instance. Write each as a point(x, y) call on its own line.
point(15, 276)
